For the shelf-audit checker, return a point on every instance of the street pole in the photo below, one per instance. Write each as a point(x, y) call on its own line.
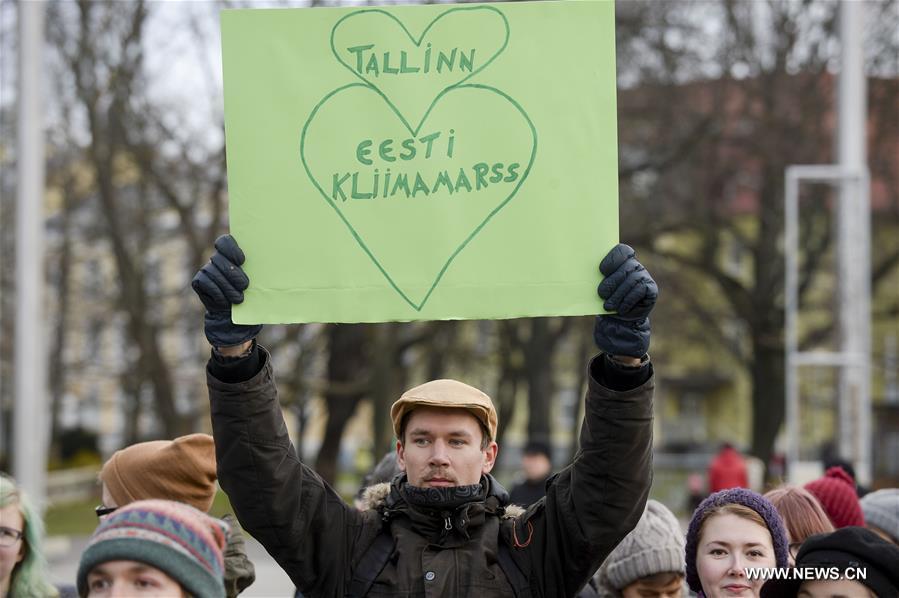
point(852, 360)
point(854, 227)
point(30, 420)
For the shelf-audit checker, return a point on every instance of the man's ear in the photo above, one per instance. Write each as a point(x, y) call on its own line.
point(400, 456)
point(490, 456)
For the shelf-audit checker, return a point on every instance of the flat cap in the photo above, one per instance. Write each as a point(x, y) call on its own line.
point(450, 394)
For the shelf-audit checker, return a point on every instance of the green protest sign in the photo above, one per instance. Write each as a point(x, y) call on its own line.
point(421, 162)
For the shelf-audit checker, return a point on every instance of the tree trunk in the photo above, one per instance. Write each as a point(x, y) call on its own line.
point(586, 350)
point(142, 331)
point(768, 405)
point(347, 362)
point(57, 354)
point(767, 319)
point(442, 341)
point(510, 375)
point(538, 355)
point(131, 385)
point(383, 392)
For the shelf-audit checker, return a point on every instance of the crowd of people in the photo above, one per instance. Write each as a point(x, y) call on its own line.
point(431, 520)
point(155, 538)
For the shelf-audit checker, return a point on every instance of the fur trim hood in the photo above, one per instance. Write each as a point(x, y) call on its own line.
point(375, 497)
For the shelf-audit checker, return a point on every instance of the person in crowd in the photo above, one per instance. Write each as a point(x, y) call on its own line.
point(777, 466)
point(801, 513)
point(695, 490)
point(832, 459)
point(881, 512)
point(154, 548)
point(731, 531)
point(649, 562)
point(536, 465)
point(182, 470)
point(444, 527)
point(376, 485)
point(866, 566)
point(727, 470)
point(23, 568)
point(836, 493)
point(383, 473)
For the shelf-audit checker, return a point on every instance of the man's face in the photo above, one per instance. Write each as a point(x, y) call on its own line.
point(129, 579)
point(442, 447)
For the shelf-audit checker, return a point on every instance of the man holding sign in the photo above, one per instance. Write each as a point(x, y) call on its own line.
point(443, 526)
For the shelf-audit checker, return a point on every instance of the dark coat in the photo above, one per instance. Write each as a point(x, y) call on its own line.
point(318, 539)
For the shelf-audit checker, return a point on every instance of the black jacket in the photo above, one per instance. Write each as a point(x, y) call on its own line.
point(318, 539)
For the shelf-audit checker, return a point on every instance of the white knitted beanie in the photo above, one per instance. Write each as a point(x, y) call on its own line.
point(656, 545)
point(881, 510)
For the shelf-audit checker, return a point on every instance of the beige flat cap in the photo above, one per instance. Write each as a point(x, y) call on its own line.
point(445, 393)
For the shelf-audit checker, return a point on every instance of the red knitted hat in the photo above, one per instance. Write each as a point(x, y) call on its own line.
point(836, 493)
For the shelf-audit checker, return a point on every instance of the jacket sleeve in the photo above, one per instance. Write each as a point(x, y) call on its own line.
point(598, 499)
point(299, 519)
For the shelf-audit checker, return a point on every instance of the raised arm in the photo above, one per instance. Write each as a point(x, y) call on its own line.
point(280, 501)
point(594, 502)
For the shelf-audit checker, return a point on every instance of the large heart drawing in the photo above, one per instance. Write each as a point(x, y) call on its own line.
point(409, 72)
point(399, 193)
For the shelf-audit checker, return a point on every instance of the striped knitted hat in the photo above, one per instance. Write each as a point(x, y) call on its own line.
point(179, 540)
point(836, 493)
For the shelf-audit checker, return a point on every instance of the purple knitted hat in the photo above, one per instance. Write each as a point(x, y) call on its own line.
point(749, 499)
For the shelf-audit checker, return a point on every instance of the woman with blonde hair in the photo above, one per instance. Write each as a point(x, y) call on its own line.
point(802, 514)
point(23, 569)
point(732, 531)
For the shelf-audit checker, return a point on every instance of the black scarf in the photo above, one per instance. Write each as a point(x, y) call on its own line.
point(445, 498)
point(443, 515)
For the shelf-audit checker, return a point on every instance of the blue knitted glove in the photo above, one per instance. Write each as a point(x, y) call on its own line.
point(220, 284)
point(630, 292)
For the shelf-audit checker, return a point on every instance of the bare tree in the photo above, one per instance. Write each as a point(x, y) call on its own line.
point(119, 132)
point(741, 104)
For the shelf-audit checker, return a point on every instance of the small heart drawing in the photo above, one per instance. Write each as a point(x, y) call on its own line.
point(414, 200)
point(409, 72)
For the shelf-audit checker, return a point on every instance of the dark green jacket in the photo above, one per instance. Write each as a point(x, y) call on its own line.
point(318, 539)
point(239, 570)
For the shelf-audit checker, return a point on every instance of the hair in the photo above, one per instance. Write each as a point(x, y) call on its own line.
point(485, 433)
point(662, 578)
point(882, 533)
point(733, 509)
point(29, 576)
point(802, 513)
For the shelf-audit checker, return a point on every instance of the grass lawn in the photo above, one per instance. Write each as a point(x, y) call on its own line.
point(220, 505)
point(78, 518)
point(71, 519)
